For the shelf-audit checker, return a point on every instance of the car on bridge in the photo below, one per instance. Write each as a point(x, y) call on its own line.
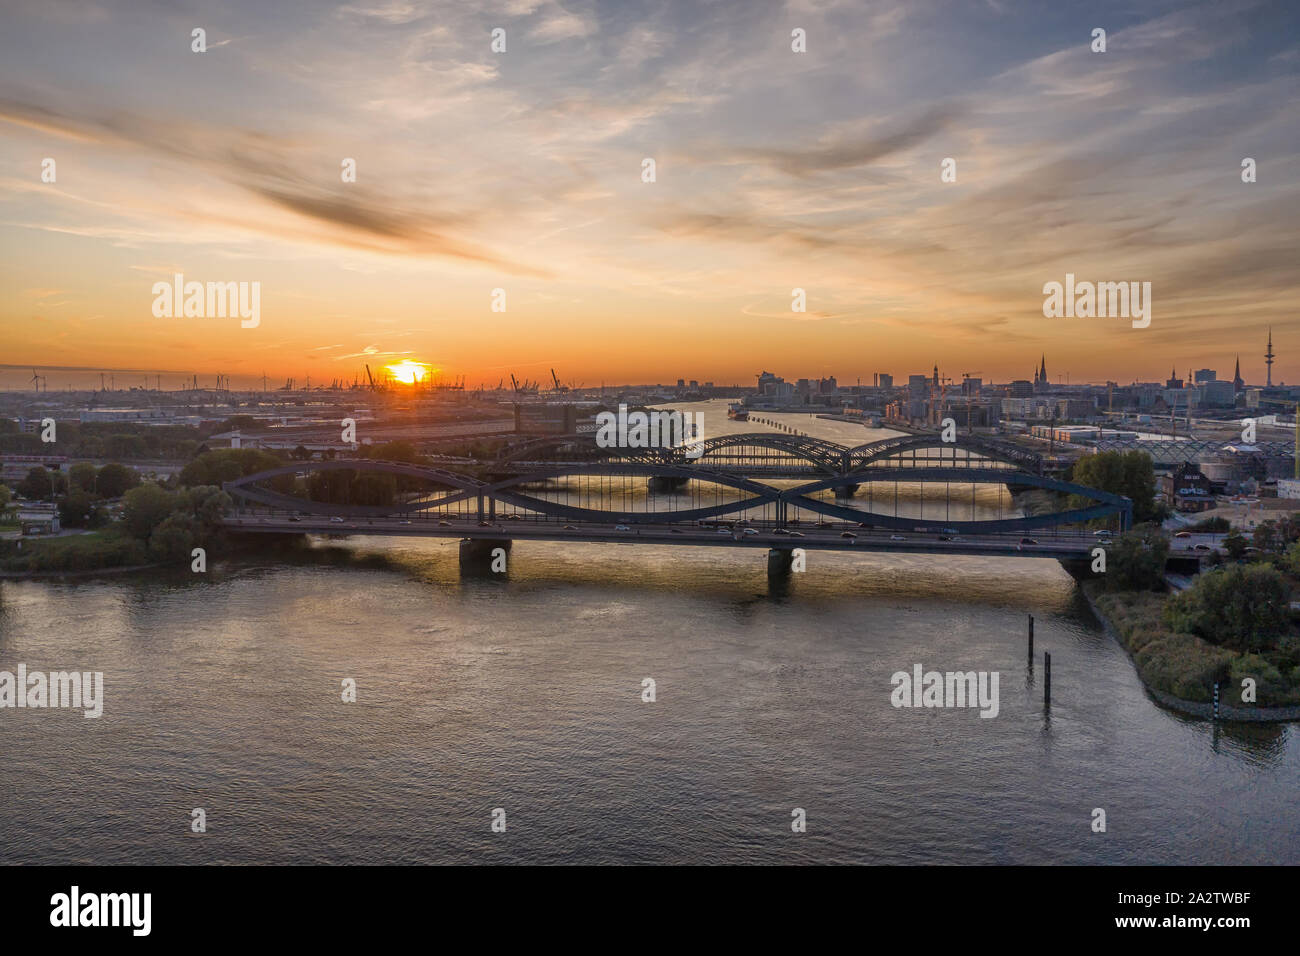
point(847, 534)
point(896, 537)
point(621, 527)
point(336, 520)
point(1029, 541)
point(751, 531)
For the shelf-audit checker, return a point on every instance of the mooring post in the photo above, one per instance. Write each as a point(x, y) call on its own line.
point(1031, 640)
point(1047, 679)
point(1216, 700)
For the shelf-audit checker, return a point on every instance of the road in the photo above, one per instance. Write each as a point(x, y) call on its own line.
point(808, 537)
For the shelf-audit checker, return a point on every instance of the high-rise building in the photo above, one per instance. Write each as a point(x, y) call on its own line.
point(886, 381)
point(1205, 375)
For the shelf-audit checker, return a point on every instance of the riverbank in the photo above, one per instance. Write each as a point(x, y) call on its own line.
point(1178, 670)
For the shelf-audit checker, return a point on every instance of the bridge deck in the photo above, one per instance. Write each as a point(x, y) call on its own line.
point(823, 539)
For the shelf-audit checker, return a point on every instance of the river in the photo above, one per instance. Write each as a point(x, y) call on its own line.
point(222, 692)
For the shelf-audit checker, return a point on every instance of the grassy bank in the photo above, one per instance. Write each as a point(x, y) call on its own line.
point(1186, 666)
point(110, 548)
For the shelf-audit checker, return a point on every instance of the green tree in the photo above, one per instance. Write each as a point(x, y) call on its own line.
point(1267, 536)
point(1136, 562)
point(82, 475)
point(5, 496)
point(207, 505)
point(173, 539)
point(115, 480)
point(1235, 544)
point(77, 510)
point(1242, 607)
point(1291, 560)
point(1127, 473)
point(145, 508)
point(227, 464)
point(40, 483)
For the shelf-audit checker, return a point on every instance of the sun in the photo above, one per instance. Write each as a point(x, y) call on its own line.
point(408, 372)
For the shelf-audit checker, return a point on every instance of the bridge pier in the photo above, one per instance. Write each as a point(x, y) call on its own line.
point(779, 562)
point(484, 555)
point(846, 491)
point(665, 484)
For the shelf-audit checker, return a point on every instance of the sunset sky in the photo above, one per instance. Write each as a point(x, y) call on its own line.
point(522, 171)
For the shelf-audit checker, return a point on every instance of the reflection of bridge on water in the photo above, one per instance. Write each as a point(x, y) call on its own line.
point(814, 494)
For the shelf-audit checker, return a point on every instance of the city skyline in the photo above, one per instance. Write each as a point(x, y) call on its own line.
point(16, 377)
point(776, 170)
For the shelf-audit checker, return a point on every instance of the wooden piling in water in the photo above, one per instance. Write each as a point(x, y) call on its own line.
point(1047, 679)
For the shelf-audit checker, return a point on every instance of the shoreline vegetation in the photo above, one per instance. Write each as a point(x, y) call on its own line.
point(1178, 670)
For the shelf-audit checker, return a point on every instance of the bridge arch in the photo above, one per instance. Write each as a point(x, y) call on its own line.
point(508, 490)
point(862, 456)
point(583, 447)
point(823, 455)
point(1104, 504)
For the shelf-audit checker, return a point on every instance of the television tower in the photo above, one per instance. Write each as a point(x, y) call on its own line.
point(1268, 358)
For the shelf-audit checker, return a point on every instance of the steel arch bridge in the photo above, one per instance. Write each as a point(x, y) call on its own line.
point(774, 453)
point(989, 449)
point(601, 494)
